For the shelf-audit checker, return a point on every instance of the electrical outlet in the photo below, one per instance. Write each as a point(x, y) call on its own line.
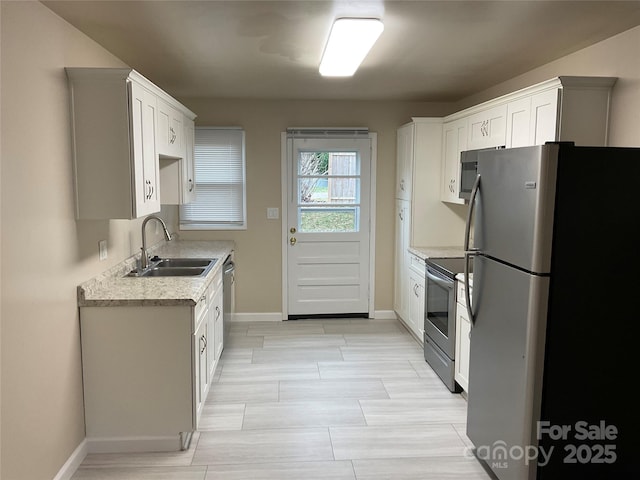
point(273, 213)
point(102, 248)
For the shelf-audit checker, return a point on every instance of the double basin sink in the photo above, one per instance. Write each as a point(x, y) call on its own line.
point(176, 267)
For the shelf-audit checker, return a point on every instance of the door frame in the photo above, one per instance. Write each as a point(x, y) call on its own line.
point(284, 186)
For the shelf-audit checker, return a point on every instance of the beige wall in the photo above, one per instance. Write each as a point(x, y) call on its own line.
point(45, 252)
point(617, 56)
point(258, 249)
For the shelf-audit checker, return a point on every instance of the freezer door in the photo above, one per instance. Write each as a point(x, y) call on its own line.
point(505, 367)
point(514, 209)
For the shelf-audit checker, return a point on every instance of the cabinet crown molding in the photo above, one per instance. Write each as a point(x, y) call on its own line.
point(564, 81)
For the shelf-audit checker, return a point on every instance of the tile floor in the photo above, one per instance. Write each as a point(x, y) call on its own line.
point(340, 399)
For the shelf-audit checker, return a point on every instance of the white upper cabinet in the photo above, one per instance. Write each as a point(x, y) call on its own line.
point(544, 117)
point(117, 142)
point(518, 123)
point(454, 141)
point(487, 128)
point(144, 159)
point(177, 175)
point(170, 130)
point(405, 139)
point(188, 165)
point(573, 109)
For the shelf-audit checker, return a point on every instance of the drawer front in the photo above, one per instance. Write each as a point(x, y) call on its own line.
point(417, 265)
point(200, 310)
point(460, 295)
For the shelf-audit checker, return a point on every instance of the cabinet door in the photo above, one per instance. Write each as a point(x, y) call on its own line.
point(218, 319)
point(188, 165)
point(519, 123)
point(404, 160)
point(145, 168)
point(201, 372)
point(454, 142)
point(463, 346)
point(401, 295)
point(170, 130)
point(544, 117)
point(416, 303)
point(211, 333)
point(488, 128)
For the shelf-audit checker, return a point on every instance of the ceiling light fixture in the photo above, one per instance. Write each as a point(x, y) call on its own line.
point(349, 42)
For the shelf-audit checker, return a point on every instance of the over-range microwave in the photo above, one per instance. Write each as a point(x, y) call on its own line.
point(469, 170)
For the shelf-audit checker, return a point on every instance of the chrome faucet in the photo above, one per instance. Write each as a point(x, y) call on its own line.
point(144, 259)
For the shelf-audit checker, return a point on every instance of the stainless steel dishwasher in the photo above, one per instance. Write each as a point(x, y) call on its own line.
point(228, 290)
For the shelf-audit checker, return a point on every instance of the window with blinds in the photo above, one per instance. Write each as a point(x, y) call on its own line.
point(220, 181)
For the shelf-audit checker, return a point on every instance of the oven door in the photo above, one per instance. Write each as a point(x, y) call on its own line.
point(439, 321)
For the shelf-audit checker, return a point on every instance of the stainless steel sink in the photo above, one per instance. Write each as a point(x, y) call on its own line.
point(183, 262)
point(176, 267)
point(173, 272)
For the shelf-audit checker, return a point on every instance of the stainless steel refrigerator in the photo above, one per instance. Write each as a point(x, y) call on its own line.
point(554, 336)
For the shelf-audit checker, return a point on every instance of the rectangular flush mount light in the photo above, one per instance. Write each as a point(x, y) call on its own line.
point(349, 42)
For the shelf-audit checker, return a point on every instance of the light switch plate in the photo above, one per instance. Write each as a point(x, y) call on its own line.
point(273, 213)
point(102, 248)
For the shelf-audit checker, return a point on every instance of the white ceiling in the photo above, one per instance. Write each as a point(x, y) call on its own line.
point(429, 50)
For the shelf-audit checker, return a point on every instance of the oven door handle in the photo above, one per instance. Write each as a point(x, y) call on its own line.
point(470, 252)
point(439, 281)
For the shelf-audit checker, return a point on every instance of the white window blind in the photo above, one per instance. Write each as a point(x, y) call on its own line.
point(220, 181)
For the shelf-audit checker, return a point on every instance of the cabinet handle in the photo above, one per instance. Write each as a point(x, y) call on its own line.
point(190, 185)
point(484, 128)
point(400, 215)
point(173, 136)
point(203, 342)
point(415, 290)
point(217, 313)
point(402, 184)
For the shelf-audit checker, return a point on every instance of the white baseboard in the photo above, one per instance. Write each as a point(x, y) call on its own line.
point(277, 316)
point(257, 317)
point(73, 462)
point(385, 315)
point(133, 444)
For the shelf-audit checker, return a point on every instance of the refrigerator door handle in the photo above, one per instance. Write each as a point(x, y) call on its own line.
point(468, 251)
point(467, 295)
point(472, 203)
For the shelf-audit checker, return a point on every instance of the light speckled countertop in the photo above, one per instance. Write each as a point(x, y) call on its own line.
point(112, 288)
point(437, 252)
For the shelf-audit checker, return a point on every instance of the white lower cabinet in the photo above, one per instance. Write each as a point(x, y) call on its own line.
point(415, 318)
point(463, 337)
point(214, 323)
point(147, 371)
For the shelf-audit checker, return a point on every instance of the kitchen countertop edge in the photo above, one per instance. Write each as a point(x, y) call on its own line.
point(437, 252)
point(112, 288)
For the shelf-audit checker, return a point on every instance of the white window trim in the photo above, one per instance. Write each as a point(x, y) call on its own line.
point(223, 226)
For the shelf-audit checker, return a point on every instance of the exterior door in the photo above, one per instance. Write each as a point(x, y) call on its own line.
point(328, 223)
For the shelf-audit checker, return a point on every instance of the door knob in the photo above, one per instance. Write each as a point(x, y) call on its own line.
point(292, 230)
point(292, 240)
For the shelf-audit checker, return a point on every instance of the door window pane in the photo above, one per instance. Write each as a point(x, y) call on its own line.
point(328, 219)
point(328, 191)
